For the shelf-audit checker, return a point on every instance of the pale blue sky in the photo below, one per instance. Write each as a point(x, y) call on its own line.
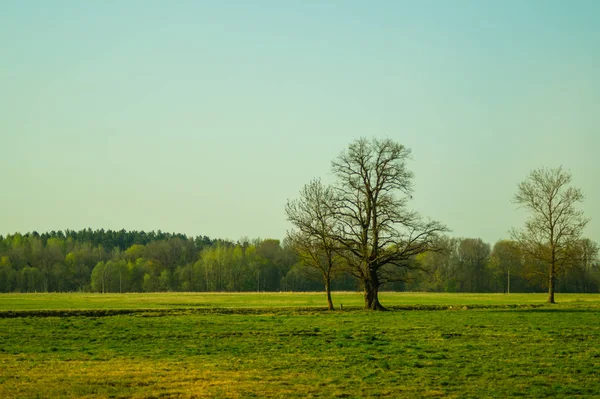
point(205, 117)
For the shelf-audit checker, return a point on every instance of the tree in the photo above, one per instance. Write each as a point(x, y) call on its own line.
point(473, 255)
point(588, 256)
point(99, 277)
point(582, 274)
point(31, 279)
point(134, 252)
point(378, 233)
point(554, 225)
point(438, 269)
point(313, 240)
point(8, 276)
point(505, 258)
point(164, 280)
point(81, 260)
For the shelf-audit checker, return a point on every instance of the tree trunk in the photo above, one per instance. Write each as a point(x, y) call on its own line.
point(551, 283)
point(371, 287)
point(328, 291)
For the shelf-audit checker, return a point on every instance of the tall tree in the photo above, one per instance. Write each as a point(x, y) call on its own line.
point(313, 240)
point(554, 225)
point(379, 234)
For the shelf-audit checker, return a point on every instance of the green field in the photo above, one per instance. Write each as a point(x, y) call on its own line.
point(274, 300)
point(286, 346)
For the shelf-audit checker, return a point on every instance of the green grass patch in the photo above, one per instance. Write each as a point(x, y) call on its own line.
point(491, 349)
point(269, 300)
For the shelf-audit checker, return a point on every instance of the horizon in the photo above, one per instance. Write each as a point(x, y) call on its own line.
point(204, 119)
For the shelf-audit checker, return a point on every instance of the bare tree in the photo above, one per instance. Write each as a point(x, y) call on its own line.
point(313, 241)
point(377, 232)
point(554, 225)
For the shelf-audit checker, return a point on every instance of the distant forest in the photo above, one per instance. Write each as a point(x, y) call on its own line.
point(137, 261)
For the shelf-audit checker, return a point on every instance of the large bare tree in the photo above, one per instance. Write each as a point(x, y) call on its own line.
point(313, 239)
point(554, 225)
point(378, 234)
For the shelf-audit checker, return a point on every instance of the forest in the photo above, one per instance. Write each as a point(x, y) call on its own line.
point(136, 261)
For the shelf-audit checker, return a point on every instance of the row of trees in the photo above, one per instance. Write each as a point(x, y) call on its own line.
point(471, 265)
point(80, 261)
point(32, 263)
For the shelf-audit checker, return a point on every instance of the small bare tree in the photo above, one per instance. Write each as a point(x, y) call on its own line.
point(554, 225)
point(313, 240)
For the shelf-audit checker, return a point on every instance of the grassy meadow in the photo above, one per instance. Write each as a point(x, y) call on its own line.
point(284, 345)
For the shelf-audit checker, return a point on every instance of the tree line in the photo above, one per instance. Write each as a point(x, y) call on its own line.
point(471, 265)
point(131, 261)
point(136, 261)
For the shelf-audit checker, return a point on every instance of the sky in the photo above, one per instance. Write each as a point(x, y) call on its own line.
point(205, 117)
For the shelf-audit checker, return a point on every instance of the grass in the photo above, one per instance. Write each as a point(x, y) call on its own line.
point(59, 301)
point(277, 346)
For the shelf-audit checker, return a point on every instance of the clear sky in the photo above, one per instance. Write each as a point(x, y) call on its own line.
point(204, 117)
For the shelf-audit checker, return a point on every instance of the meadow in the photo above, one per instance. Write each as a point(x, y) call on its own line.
point(285, 345)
